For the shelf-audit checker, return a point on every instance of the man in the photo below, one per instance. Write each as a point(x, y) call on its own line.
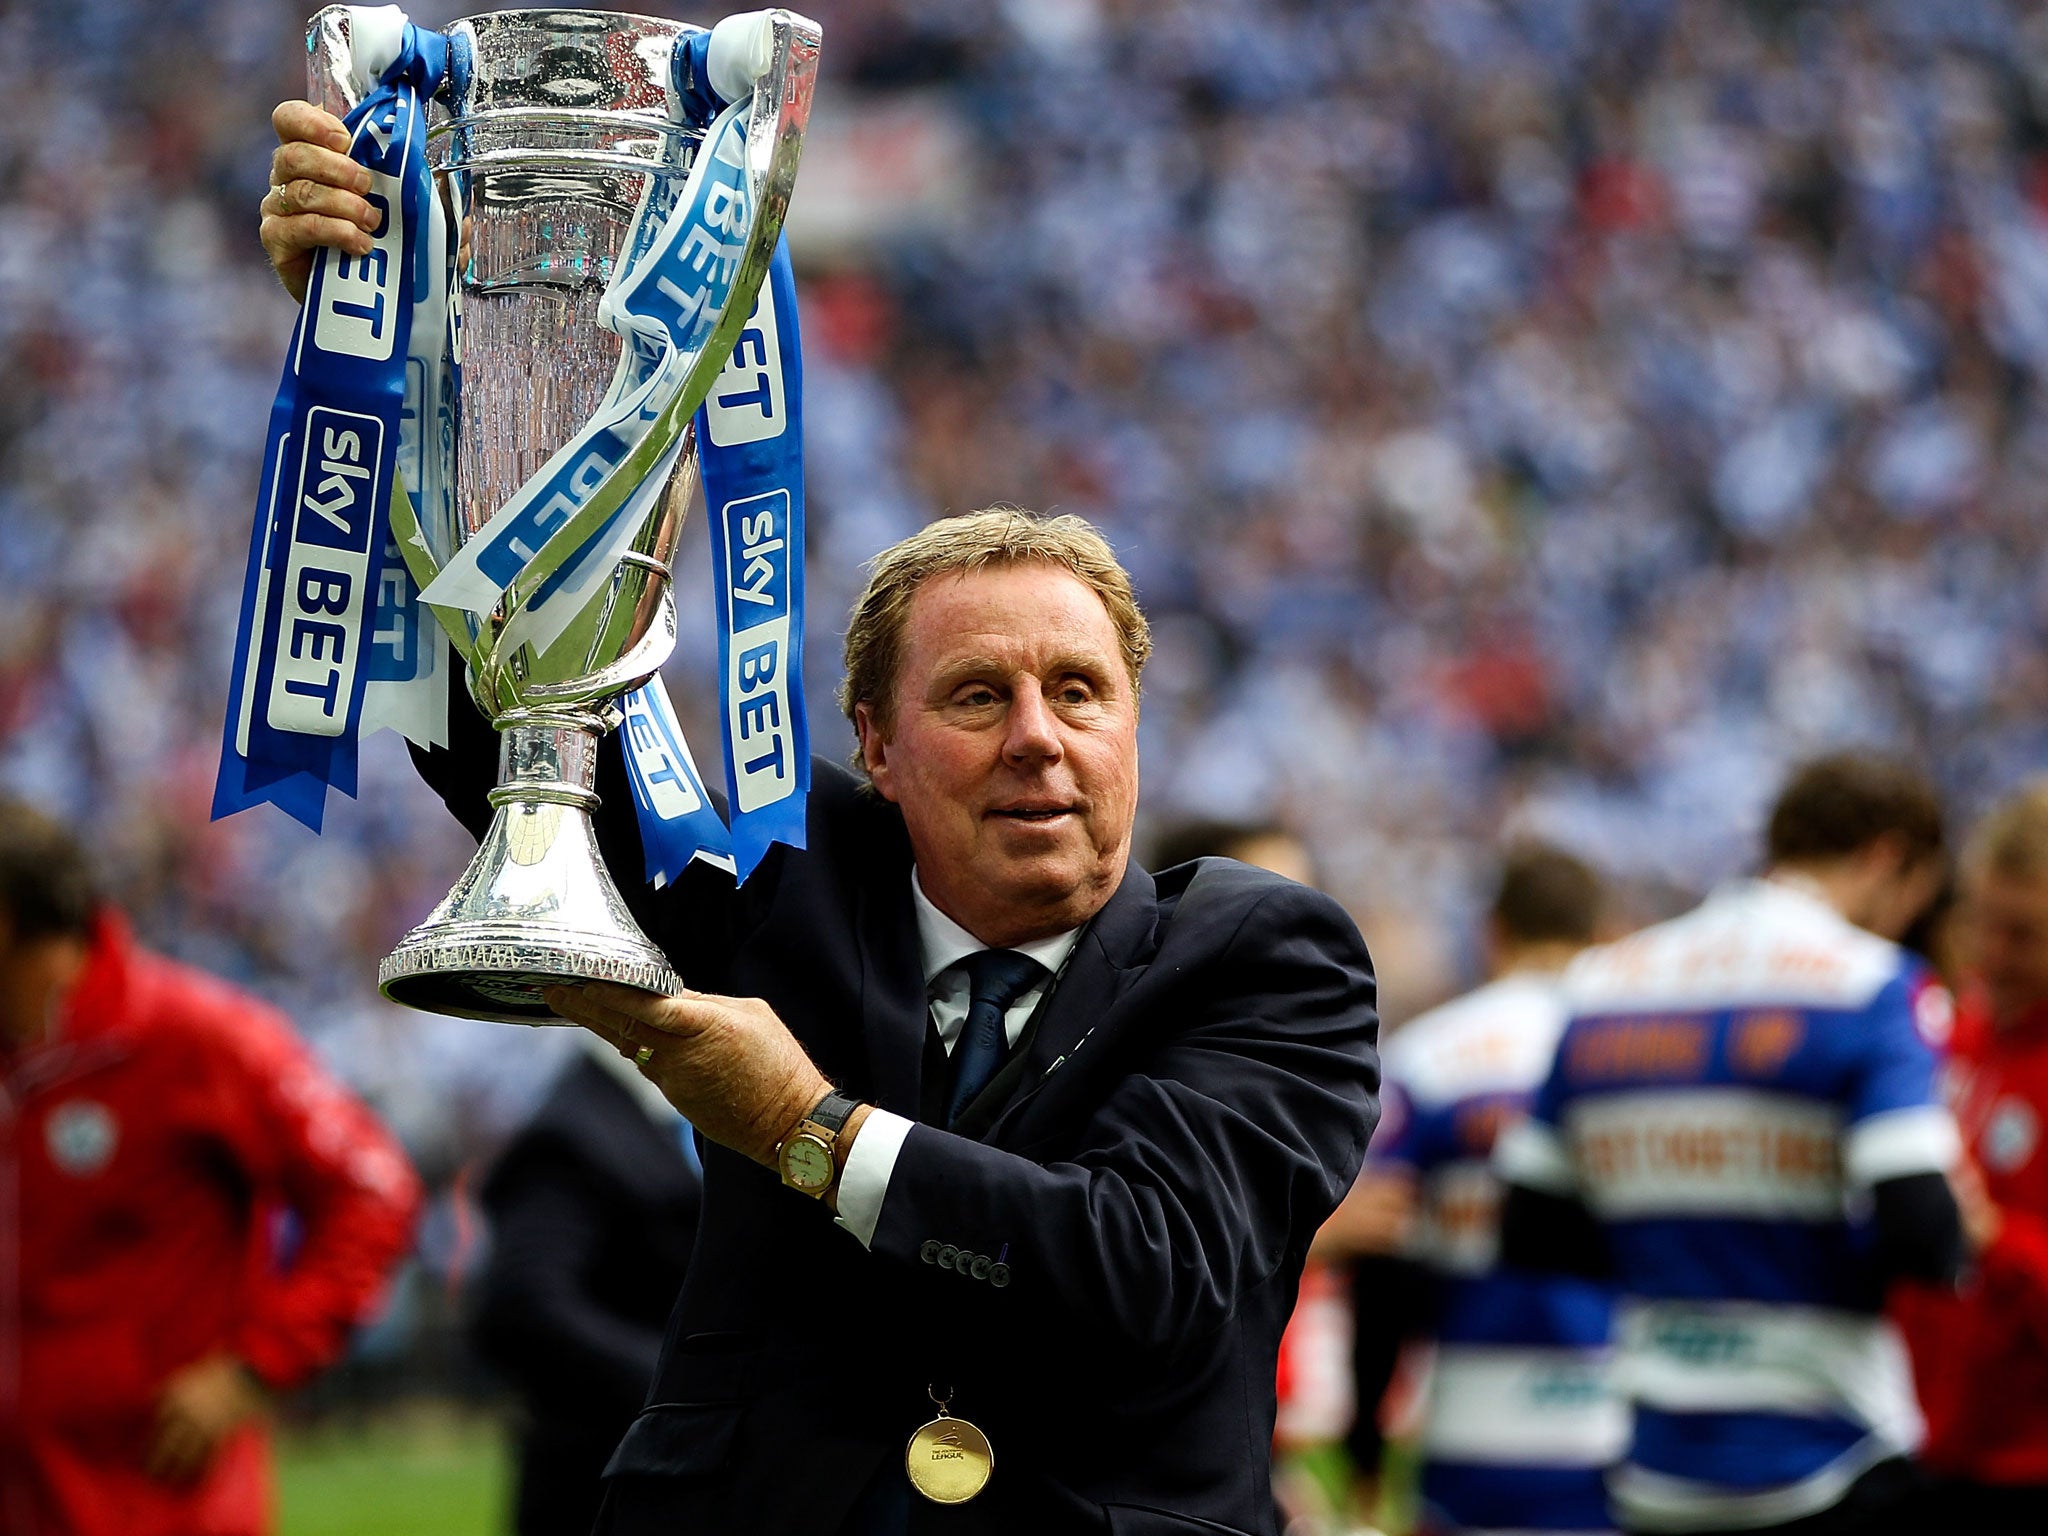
point(1521, 1423)
point(1090, 1121)
point(158, 1126)
point(1094, 1263)
point(593, 1208)
point(1741, 1125)
point(1981, 1355)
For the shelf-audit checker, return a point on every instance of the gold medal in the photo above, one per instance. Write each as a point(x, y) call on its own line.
point(948, 1460)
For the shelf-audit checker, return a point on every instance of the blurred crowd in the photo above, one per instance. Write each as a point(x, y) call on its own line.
point(1521, 416)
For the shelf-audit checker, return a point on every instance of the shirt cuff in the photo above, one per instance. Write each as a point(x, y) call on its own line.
point(864, 1181)
point(1920, 1138)
point(1532, 1154)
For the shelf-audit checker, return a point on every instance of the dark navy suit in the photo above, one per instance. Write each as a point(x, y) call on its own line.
point(593, 1209)
point(1190, 1102)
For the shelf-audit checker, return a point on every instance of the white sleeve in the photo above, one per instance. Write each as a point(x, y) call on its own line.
point(864, 1181)
point(1921, 1138)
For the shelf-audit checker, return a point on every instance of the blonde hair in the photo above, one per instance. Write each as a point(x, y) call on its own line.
point(2012, 839)
point(976, 541)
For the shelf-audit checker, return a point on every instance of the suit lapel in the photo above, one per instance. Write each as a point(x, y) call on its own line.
point(892, 994)
point(1109, 957)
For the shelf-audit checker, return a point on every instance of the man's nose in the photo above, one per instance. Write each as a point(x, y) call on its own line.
point(1031, 732)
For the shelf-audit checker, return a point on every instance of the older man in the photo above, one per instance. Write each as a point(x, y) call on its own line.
point(1003, 1133)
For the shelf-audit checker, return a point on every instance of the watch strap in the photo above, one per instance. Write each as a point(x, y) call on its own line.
point(833, 1111)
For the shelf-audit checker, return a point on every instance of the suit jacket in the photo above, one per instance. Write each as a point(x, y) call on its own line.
point(593, 1210)
point(1147, 1171)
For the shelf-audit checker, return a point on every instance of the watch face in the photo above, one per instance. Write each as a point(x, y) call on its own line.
point(807, 1163)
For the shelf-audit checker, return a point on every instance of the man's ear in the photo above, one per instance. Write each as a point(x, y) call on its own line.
point(874, 750)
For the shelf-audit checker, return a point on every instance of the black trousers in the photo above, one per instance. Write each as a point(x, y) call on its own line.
point(1885, 1501)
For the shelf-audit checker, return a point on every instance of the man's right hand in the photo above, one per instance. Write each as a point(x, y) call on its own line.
point(316, 195)
point(1378, 1216)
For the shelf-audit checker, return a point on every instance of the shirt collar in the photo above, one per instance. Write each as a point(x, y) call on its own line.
point(944, 942)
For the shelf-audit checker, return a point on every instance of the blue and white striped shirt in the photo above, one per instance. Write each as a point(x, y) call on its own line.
point(1730, 1086)
point(1521, 1422)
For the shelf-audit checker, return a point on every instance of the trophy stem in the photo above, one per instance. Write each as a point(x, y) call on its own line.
point(536, 908)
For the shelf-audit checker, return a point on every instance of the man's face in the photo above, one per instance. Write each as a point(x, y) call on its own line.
point(35, 974)
point(1013, 751)
point(2005, 939)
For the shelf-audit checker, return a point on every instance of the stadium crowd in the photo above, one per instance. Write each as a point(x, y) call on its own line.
point(1547, 416)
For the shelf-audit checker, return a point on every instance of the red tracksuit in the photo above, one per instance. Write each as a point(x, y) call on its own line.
point(1981, 1356)
point(148, 1152)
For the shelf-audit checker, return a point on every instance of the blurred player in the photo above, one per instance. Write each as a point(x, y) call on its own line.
point(1520, 1424)
point(593, 1208)
point(155, 1126)
point(1742, 1126)
point(1981, 1355)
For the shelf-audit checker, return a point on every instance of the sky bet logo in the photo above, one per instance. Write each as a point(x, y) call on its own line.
point(356, 314)
point(660, 757)
point(759, 721)
point(327, 574)
point(745, 405)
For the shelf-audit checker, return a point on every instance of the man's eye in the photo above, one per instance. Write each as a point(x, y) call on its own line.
point(975, 698)
point(1076, 693)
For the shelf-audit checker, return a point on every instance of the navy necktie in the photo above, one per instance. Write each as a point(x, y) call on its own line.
point(996, 979)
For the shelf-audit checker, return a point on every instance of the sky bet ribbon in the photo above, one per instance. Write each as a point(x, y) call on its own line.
point(354, 395)
point(667, 297)
point(750, 444)
point(318, 546)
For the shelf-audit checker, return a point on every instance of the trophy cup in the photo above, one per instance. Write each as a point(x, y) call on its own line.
point(552, 129)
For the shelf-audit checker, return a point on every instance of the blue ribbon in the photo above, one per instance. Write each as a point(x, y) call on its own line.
point(750, 448)
point(325, 583)
point(677, 819)
point(318, 546)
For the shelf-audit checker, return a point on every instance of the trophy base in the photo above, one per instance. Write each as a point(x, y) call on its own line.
point(536, 908)
point(494, 971)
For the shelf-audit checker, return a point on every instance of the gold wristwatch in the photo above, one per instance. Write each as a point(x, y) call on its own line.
point(805, 1158)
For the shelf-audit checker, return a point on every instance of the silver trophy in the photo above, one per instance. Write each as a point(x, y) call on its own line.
point(547, 135)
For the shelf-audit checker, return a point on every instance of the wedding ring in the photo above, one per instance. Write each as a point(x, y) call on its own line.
point(284, 203)
point(644, 1056)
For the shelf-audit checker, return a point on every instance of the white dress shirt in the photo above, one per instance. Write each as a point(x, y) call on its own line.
point(944, 943)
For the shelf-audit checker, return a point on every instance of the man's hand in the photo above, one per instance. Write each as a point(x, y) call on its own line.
point(1378, 1216)
point(1982, 1219)
point(199, 1406)
point(316, 195)
point(728, 1064)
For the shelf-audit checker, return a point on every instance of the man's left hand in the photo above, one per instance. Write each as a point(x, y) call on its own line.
point(200, 1405)
point(1982, 1219)
point(728, 1064)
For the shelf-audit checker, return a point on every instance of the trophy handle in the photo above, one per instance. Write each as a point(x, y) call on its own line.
point(775, 141)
